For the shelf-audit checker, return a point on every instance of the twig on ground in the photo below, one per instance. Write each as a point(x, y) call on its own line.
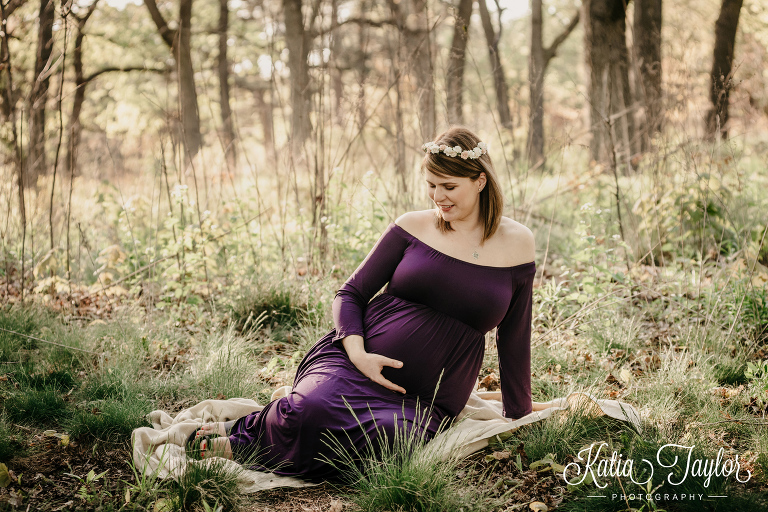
point(46, 341)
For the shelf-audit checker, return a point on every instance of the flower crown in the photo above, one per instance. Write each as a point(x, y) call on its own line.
point(480, 149)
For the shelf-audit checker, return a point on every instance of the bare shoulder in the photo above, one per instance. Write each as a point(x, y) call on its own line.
point(518, 240)
point(416, 222)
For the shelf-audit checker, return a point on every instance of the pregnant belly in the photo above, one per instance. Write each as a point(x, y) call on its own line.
point(441, 356)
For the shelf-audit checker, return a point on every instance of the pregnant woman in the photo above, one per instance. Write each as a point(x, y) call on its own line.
point(452, 274)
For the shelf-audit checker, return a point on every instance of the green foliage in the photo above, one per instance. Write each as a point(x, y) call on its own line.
point(33, 406)
point(754, 313)
point(10, 444)
point(272, 305)
point(24, 321)
point(730, 373)
point(208, 483)
point(405, 473)
point(90, 489)
point(109, 420)
point(687, 217)
point(56, 380)
point(563, 433)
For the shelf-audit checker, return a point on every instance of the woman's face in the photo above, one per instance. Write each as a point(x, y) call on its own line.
point(456, 198)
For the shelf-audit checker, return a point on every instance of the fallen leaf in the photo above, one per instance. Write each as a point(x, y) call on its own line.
point(501, 455)
point(336, 506)
point(15, 498)
point(538, 506)
point(5, 477)
point(66, 505)
point(163, 505)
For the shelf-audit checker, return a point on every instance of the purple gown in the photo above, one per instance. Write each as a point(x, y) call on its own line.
point(432, 316)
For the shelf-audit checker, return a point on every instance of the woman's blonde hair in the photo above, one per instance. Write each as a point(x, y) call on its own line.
point(440, 164)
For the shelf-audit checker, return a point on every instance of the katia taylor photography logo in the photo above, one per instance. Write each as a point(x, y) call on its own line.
point(675, 462)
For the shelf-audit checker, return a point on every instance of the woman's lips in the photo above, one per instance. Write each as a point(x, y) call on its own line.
point(445, 208)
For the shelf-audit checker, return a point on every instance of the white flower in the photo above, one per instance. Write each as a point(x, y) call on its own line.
point(476, 152)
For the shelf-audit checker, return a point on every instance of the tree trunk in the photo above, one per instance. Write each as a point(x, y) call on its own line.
point(454, 78)
point(720, 84)
point(264, 109)
point(7, 101)
point(337, 83)
point(537, 68)
point(227, 129)
point(39, 96)
point(418, 42)
point(297, 42)
point(647, 42)
point(190, 118)
point(70, 161)
point(178, 41)
point(499, 80)
point(607, 59)
point(74, 126)
point(361, 64)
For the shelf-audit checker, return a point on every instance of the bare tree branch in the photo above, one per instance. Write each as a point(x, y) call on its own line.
point(100, 72)
point(12, 5)
point(167, 33)
point(550, 52)
point(357, 21)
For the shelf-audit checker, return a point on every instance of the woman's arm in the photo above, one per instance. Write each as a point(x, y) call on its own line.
point(513, 340)
point(353, 297)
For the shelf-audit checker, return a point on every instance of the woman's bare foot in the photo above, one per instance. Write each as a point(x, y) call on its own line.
point(211, 428)
point(220, 446)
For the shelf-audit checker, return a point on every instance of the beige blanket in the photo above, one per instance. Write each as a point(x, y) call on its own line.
point(160, 449)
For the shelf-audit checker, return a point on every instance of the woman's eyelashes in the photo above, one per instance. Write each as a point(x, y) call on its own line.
point(446, 188)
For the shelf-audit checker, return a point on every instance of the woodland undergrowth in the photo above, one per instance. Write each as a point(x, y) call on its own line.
point(163, 302)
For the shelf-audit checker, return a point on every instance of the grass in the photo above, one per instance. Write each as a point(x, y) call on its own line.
point(109, 420)
point(405, 472)
point(34, 406)
point(672, 333)
point(212, 483)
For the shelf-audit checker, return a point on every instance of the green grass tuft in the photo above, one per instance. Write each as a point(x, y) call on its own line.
point(9, 440)
point(33, 406)
point(271, 306)
point(212, 482)
point(109, 420)
point(405, 474)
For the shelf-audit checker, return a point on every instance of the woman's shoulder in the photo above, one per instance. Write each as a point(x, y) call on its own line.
point(416, 222)
point(517, 240)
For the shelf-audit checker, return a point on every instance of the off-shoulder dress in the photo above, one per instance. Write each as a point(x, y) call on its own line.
point(432, 316)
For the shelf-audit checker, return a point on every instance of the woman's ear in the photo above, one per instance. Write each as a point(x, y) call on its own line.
point(481, 182)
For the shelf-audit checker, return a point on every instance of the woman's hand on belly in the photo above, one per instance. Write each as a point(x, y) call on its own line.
point(370, 365)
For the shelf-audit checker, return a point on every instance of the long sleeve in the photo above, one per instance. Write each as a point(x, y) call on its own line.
point(373, 273)
point(513, 340)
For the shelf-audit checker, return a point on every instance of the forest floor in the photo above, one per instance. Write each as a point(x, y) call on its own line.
point(679, 330)
point(122, 363)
